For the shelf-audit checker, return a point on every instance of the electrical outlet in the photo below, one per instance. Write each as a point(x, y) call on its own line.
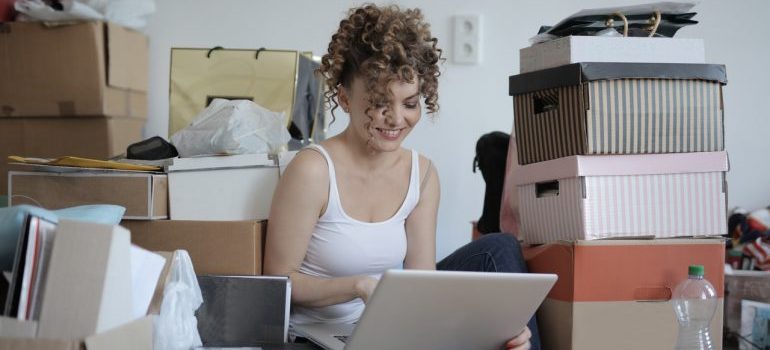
point(467, 39)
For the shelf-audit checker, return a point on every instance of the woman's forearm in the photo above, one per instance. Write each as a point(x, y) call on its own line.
point(314, 291)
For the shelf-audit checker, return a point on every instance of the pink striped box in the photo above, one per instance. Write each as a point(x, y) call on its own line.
point(623, 196)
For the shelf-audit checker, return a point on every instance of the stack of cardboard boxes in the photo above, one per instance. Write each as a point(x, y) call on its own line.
point(615, 161)
point(80, 90)
point(76, 89)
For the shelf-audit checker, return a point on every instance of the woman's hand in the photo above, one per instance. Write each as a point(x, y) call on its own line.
point(365, 287)
point(521, 341)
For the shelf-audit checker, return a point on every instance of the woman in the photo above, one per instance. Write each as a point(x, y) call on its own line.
point(358, 204)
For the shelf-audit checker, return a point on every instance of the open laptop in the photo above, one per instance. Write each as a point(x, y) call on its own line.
point(417, 309)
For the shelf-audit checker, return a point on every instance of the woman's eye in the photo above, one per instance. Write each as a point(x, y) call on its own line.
point(411, 105)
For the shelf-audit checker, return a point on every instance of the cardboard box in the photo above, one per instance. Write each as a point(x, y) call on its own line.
point(596, 197)
point(225, 188)
point(135, 335)
point(617, 294)
point(87, 291)
point(215, 247)
point(143, 194)
point(99, 138)
point(83, 69)
point(744, 285)
point(618, 108)
point(575, 49)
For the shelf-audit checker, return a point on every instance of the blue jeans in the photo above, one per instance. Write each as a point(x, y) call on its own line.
point(494, 252)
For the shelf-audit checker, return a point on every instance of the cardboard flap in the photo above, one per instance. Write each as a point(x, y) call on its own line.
point(135, 335)
point(11, 327)
point(578, 73)
point(619, 165)
point(126, 57)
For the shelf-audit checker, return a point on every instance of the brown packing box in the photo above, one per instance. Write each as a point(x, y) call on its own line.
point(83, 69)
point(616, 294)
point(143, 194)
point(618, 108)
point(99, 138)
point(215, 247)
point(135, 335)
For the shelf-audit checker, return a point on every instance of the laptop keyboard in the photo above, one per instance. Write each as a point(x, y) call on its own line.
point(342, 338)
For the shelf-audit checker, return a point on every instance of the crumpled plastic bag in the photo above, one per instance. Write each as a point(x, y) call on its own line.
point(128, 13)
point(176, 327)
point(232, 127)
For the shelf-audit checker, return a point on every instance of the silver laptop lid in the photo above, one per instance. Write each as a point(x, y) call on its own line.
point(415, 309)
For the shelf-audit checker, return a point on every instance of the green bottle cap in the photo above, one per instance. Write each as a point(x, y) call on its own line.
point(696, 270)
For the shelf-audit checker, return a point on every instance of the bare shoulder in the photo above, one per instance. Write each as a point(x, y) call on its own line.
point(308, 164)
point(427, 169)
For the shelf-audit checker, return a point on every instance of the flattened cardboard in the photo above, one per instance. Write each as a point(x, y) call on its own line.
point(614, 294)
point(666, 200)
point(215, 247)
point(98, 138)
point(574, 49)
point(143, 194)
point(100, 70)
point(618, 108)
point(88, 291)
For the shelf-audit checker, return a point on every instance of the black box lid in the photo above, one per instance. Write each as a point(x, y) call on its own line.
point(577, 73)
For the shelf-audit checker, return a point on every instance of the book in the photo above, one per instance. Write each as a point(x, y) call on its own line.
point(29, 269)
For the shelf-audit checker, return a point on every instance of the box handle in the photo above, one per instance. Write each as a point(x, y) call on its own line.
point(547, 189)
point(546, 102)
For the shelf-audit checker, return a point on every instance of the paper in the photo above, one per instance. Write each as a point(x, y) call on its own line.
point(146, 267)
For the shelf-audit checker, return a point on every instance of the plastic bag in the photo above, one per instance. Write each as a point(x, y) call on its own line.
point(128, 13)
point(176, 327)
point(232, 127)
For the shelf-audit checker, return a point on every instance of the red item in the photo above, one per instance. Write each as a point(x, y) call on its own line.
point(7, 13)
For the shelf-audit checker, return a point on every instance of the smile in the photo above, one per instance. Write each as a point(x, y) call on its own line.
point(390, 134)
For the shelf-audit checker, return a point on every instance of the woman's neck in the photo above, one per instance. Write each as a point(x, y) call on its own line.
point(364, 155)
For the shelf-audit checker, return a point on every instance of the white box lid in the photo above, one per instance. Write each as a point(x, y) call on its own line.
point(615, 165)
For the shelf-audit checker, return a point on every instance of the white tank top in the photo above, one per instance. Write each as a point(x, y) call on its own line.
point(343, 246)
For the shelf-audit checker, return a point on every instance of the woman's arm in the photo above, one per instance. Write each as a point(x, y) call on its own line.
point(298, 201)
point(421, 223)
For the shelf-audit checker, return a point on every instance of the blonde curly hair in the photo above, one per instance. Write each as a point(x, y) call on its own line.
point(382, 45)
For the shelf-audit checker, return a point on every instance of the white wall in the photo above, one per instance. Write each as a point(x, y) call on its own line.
point(474, 99)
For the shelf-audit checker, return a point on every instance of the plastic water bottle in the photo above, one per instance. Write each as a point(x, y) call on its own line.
point(695, 302)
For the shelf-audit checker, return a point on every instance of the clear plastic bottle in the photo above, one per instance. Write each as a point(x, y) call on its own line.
point(695, 302)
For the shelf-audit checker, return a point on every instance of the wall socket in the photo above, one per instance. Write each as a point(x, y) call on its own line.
point(467, 39)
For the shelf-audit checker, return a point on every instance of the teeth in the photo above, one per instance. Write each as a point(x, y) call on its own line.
point(390, 132)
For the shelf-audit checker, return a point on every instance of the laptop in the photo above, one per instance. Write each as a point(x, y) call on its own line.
point(418, 309)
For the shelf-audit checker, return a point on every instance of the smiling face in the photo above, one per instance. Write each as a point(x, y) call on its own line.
point(382, 128)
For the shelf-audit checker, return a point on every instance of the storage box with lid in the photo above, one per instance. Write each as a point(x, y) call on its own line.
point(618, 108)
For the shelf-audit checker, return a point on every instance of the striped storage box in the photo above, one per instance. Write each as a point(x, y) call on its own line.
point(597, 197)
point(618, 108)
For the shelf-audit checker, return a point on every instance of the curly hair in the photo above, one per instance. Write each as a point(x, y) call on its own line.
point(382, 45)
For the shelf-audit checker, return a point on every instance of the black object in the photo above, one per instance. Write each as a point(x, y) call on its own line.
point(154, 148)
point(491, 156)
point(578, 73)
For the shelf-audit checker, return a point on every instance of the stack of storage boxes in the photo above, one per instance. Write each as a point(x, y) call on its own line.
point(76, 89)
point(623, 151)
